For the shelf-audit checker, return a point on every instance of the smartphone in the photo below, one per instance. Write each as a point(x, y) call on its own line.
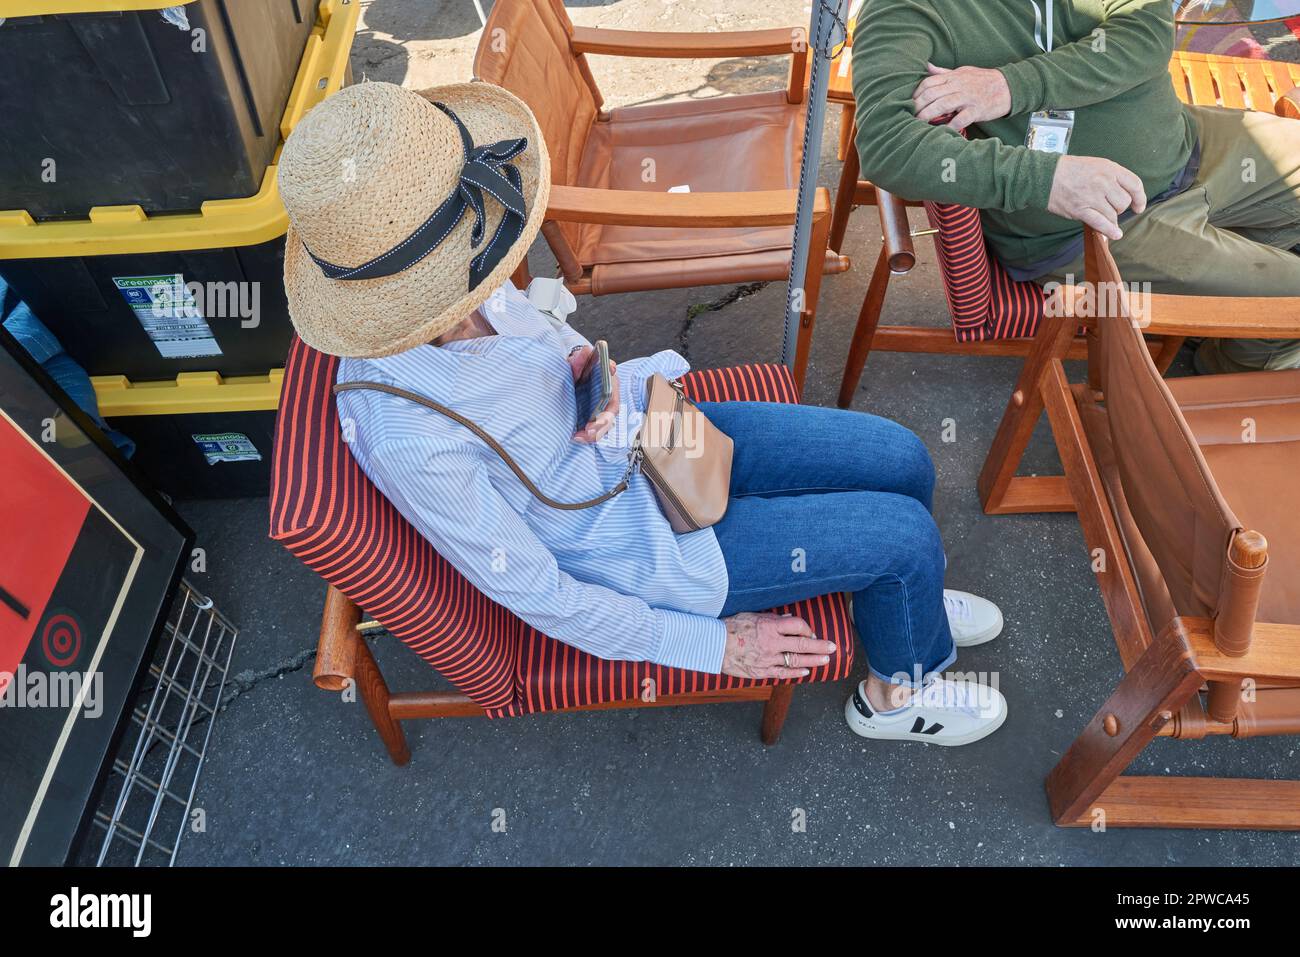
point(595, 387)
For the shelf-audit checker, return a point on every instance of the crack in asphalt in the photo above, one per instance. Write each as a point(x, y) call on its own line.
point(237, 685)
point(733, 295)
point(247, 680)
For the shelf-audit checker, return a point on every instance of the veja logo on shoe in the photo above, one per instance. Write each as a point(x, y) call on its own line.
point(77, 910)
point(920, 723)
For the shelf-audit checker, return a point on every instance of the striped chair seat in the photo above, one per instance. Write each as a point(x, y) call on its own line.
point(325, 511)
point(984, 302)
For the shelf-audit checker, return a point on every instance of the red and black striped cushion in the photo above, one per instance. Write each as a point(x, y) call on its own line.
point(325, 511)
point(984, 301)
point(553, 675)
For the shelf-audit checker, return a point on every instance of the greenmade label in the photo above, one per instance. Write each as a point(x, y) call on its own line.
point(171, 317)
point(226, 447)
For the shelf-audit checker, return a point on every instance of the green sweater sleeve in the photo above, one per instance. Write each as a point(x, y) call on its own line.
point(913, 159)
point(1132, 44)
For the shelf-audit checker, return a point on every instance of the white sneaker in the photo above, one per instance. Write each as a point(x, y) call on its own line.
point(942, 712)
point(973, 620)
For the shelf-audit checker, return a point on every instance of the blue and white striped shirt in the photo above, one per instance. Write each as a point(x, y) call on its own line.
point(612, 580)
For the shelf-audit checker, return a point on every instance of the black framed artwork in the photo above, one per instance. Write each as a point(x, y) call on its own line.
point(89, 559)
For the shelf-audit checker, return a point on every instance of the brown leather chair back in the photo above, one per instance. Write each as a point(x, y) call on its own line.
point(525, 49)
point(1179, 510)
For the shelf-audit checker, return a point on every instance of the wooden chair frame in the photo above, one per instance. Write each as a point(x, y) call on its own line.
point(344, 660)
point(1001, 490)
point(611, 207)
point(1160, 694)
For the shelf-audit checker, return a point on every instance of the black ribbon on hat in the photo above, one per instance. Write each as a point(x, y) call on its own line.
point(485, 169)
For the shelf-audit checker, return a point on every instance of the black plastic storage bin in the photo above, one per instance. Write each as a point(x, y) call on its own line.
point(199, 435)
point(204, 454)
point(101, 308)
point(134, 107)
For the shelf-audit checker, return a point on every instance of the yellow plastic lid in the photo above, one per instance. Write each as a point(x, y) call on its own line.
point(188, 392)
point(118, 230)
point(47, 8)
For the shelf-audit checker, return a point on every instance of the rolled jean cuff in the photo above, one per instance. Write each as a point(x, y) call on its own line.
point(913, 680)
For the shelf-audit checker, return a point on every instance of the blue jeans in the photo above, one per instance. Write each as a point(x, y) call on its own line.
point(828, 500)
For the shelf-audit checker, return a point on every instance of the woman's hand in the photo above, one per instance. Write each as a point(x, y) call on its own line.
point(772, 646)
point(594, 430)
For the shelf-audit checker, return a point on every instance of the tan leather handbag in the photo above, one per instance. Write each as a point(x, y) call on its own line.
point(686, 458)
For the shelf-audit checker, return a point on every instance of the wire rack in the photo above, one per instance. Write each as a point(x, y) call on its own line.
point(145, 808)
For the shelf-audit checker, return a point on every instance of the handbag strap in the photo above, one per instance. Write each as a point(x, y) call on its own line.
point(492, 443)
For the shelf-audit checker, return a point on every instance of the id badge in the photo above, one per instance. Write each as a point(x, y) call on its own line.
point(1049, 131)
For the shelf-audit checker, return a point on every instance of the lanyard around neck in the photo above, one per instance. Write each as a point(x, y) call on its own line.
point(1038, 24)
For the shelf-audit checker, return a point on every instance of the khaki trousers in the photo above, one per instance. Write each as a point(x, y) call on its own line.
point(1230, 234)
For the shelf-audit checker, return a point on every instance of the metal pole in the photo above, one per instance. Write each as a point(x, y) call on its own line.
point(826, 29)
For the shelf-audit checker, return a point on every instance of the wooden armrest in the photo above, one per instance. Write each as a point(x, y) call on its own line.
point(1231, 317)
point(1288, 104)
point(1214, 317)
point(896, 232)
point(1274, 654)
point(627, 207)
point(644, 43)
point(336, 651)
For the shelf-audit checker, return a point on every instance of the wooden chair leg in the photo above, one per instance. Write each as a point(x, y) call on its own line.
point(812, 290)
point(774, 712)
point(1001, 490)
point(374, 694)
point(337, 648)
point(847, 132)
point(844, 198)
point(864, 333)
point(1162, 681)
point(1115, 578)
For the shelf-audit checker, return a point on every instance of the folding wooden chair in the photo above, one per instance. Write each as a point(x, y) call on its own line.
point(325, 511)
point(1185, 494)
point(611, 222)
point(991, 313)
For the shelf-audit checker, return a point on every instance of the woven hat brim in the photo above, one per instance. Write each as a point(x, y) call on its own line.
point(380, 317)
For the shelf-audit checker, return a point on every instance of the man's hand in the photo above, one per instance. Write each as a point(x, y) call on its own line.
point(1095, 191)
point(594, 431)
point(772, 646)
point(970, 93)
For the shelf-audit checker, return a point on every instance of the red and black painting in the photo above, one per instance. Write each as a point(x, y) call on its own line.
point(87, 566)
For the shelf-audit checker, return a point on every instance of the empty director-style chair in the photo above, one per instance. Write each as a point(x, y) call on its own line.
point(1185, 489)
point(325, 511)
point(612, 223)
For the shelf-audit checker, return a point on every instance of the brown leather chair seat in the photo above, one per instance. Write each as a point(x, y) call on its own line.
point(1247, 427)
point(727, 144)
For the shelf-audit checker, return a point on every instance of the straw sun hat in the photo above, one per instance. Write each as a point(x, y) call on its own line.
point(399, 219)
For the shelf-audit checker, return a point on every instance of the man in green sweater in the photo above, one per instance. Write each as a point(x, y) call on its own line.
point(1071, 118)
